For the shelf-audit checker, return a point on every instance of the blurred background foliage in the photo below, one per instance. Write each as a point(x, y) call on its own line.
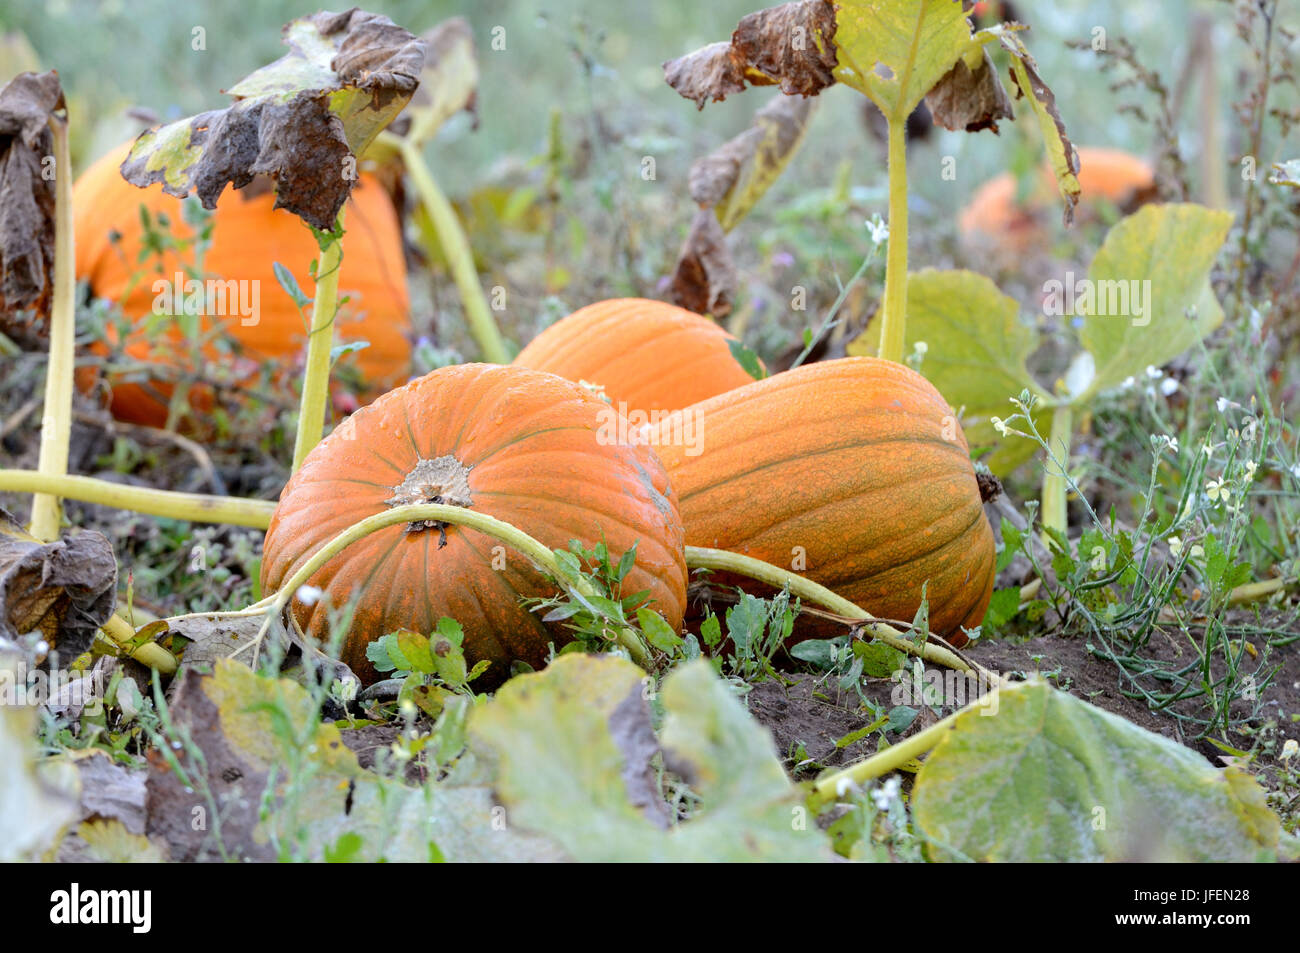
point(550, 183)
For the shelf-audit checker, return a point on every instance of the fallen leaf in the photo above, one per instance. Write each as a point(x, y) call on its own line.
point(65, 590)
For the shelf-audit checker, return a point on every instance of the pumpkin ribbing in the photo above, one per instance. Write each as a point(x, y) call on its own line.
point(520, 445)
point(853, 472)
point(644, 354)
point(248, 236)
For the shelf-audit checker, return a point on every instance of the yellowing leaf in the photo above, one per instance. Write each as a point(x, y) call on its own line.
point(1153, 267)
point(895, 51)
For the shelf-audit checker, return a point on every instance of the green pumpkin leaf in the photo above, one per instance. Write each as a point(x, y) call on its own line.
point(303, 120)
point(1158, 260)
point(895, 51)
point(976, 346)
point(1048, 777)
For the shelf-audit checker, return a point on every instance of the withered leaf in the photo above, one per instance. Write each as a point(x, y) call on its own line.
point(27, 104)
point(302, 120)
point(448, 82)
point(705, 278)
point(968, 99)
point(65, 589)
point(1029, 84)
point(792, 45)
point(730, 180)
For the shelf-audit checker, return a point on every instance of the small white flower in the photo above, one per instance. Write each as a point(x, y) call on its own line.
point(1250, 469)
point(1168, 386)
point(1197, 551)
point(1127, 383)
point(1175, 546)
point(1290, 749)
point(878, 229)
point(1166, 442)
point(999, 425)
point(1217, 491)
point(1295, 471)
point(886, 793)
point(1154, 373)
point(920, 347)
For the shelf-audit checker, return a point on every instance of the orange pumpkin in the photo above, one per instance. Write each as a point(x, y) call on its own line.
point(248, 236)
point(1109, 175)
point(520, 445)
point(853, 472)
point(646, 355)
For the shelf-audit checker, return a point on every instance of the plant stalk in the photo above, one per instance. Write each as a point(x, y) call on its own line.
point(460, 259)
point(56, 425)
point(893, 313)
point(320, 347)
point(182, 506)
point(120, 633)
point(534, 551)
point(1055, 479)
point(831, 787)
point(698, 557)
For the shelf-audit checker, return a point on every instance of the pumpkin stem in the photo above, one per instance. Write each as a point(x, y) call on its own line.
point(440, 480)
point(56, 426)
point(455, 246)
point(990, 486)
point(320, 348)
point(893, 312)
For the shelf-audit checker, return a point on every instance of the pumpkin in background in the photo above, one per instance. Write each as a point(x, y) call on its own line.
point(644, 354)
point(853, 472)
point(1111, 175)
point(522, 446)
point(248, 236)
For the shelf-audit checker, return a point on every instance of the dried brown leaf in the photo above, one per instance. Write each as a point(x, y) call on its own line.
point(968, 99)
point(301, 120)
point(705, 279)
point(65, 589)
point(792, 45)
point(27, 103)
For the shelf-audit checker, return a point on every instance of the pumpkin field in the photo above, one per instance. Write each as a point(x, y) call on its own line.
point(608, 432)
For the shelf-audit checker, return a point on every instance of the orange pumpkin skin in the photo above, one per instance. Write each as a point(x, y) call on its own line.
point(852, 472)
point(535, 457)
point(248, 236)
point(1111, 175)
point(645, 354)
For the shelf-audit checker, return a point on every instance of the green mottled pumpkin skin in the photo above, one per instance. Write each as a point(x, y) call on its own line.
point(537, 458)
